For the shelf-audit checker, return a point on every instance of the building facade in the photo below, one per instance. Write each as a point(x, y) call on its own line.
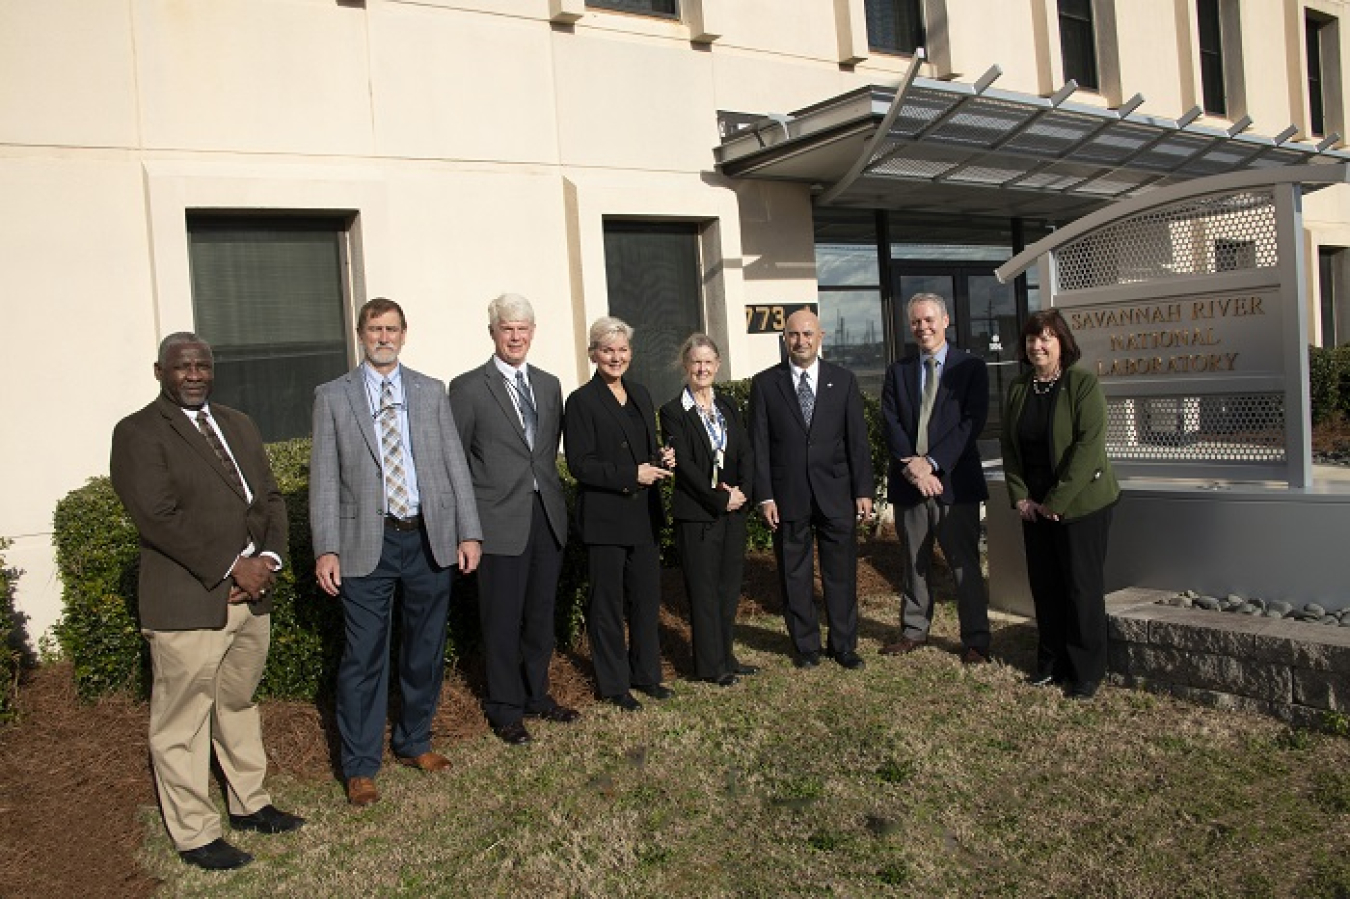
point(255, 170)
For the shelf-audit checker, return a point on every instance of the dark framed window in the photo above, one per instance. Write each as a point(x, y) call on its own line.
point(1312, 35)
point(894, 26)
point(269, 294)
point(669, 9)
point(1328, 267)
point(1078, 42)
point(653, 273)
point(1211, 57)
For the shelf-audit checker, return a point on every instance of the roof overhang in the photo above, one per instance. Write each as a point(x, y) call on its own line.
point(949, 147)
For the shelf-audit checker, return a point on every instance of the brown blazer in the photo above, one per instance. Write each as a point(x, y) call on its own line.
point(193, 524)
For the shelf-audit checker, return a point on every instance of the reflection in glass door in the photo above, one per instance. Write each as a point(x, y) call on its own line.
point(983, 319)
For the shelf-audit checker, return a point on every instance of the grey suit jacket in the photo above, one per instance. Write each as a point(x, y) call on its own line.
point(504, 467)
point(193, 522)
point(346, 488)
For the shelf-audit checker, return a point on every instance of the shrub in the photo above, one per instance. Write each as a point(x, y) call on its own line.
point(1329, 382)
point(97, 556)
point(12, 656)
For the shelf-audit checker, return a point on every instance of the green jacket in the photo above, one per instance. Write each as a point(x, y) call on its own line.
point(1084, 481)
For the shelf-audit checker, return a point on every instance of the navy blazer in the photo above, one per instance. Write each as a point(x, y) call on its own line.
point(694, 497)
point(959, 413)
point(604, 450)
point(830, 462)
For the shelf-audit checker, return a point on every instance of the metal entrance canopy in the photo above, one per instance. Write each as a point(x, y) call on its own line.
point(949, 147)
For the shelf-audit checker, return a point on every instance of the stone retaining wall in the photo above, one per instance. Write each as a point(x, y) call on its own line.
point(1294, 671)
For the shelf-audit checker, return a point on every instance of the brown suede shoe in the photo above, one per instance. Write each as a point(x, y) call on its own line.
point(428, 761)
point(902, 646)
point(361, 791)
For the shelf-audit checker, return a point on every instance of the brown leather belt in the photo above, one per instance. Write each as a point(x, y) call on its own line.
point(403, 524)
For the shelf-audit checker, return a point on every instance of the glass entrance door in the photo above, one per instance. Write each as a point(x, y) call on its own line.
point(984, 319)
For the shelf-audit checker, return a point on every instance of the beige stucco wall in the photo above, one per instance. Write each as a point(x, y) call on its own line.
point(480, 145)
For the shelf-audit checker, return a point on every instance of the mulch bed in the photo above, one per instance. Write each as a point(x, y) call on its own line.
point(73, 775)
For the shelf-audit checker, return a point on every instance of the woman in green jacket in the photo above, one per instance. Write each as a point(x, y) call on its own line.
point(1060, 482)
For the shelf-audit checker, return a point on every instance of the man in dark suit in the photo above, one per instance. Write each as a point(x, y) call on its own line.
point(813, 480)
point(390, 502)
point(934, 405)
point(509, 416)
point(212, 524)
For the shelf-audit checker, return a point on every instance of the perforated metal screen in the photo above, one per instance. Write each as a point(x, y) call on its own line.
point(1204, 235)
point(1224, 428)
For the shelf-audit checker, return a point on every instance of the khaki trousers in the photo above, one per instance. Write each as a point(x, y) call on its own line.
point(204, 681)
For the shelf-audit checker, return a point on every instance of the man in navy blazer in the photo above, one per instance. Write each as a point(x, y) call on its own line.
point(936, 481)
point(813, 480)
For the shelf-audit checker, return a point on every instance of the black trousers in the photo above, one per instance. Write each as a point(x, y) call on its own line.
point(1066, 563)
point(712, 554)
point(625, 585)
point(516, 597)
point(793, 547)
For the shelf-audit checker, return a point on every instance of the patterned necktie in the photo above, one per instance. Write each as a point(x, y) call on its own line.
point(528, 413)
point(391, 447)
point(231, 472)
point(806, 398)
point(930, 385)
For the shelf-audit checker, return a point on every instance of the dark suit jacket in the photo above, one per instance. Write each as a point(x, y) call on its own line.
point(604, 450)
point(831, 461)
point(193, 523)
point(695, 498)
point(504, 467)
point(959, 412)
point(1085, 482)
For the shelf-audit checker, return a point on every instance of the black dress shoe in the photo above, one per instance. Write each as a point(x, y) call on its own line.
point(722, 680)
point(624, 701)
point(807, 660)
point(559, 714)
point(268, 819)
point(850, 660)
point(655, 691)
point(744, 670)
point(1082, 690)
point(216, 855)
point(1042, 679)
point(513, 733)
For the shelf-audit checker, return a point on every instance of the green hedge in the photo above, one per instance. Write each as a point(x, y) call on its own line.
point(11, 640)
point(1329, 382)
point(97, 557)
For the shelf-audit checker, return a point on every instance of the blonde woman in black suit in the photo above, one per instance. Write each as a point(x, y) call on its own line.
point(609, 426)
point(711, 501)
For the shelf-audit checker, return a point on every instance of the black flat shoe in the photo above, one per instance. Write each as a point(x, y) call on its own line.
point(807, 660)
point(624, 701)
point(1082, 690)
point(723, 680)
point(850, 660)
point(513, 733)
point(1042, 679)
point(268, 819)
point(559, 714)
point(655, 691)
point(216, 855)
point(745, 670)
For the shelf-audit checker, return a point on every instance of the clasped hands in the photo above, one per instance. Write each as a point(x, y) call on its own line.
point(253, 576)
point(919, 472)
point(648, 473)
point(1030, 510)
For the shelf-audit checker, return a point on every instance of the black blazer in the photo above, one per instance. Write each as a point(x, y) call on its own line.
point(604, 450)
point(694, 497)
point(959, 413)
point(831, 462)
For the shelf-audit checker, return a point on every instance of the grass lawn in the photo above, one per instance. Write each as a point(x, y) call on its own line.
point(914, 777)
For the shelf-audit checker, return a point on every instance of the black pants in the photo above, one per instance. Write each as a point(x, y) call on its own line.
point(1066, 563)
point(712, 555)
point(625, 584)
point(793, 545)
point(516, 597)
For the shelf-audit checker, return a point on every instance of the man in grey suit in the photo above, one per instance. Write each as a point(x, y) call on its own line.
point(509, 416)
point(390, 502)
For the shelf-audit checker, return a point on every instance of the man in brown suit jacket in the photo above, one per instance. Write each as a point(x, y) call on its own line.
point(212, 523)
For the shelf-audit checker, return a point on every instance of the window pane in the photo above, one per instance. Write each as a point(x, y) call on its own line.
point(1313, 38)
point(855, 335)
point(894, 26)
point(1077, 42)
point(653, 273)
point(268, 296)
point(668, 8)
point(1211, 56)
